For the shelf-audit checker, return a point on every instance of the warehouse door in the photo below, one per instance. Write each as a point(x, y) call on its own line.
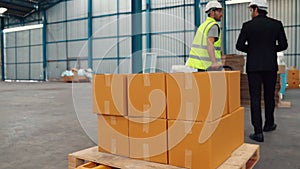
point(23, 56)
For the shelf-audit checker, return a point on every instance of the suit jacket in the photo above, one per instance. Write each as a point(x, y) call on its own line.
point(261, 38)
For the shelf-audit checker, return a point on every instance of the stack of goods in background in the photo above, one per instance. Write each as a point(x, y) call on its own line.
point(77, 75)
point(245, 96)
point(180, 119)
point(282, 72)
point(235, 61)
point(293, 77)
point(281, 60)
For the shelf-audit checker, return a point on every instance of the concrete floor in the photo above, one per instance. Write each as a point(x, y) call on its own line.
point(41, 123)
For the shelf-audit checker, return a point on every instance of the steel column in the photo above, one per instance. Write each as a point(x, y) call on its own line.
point(90, 34)
point(136, 61)
point(2, 49)
point(44, 46)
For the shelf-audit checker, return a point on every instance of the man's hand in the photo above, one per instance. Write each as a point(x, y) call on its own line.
point(211, 53)
point(215, 66)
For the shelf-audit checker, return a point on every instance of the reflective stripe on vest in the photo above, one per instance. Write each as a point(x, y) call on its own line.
point(204, 47)
point(199, 57)
point(204, 58)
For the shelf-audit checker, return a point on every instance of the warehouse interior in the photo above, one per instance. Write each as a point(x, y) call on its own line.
point(45, 43)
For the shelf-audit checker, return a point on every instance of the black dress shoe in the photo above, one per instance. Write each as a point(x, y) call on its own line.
point(269, 128)
point(257, 137)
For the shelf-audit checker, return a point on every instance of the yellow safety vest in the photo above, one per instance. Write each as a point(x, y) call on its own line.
point(199, 57)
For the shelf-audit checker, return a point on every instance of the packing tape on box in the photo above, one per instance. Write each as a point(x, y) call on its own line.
point(189, 111)
point(188, 127)
point(113, 120)
point(107, 80)
point(146, 115)
point(146, 110)
point(146, 151)
point(146, 125)
point(188, 158)
point(106, 107)
point(146, 80)
point(113, 147)
point(188, 116)
point(188, 77)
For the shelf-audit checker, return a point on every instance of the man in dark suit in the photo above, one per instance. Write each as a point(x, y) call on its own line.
point(261, 38)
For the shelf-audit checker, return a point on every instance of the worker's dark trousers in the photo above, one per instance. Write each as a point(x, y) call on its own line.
point(256, 80)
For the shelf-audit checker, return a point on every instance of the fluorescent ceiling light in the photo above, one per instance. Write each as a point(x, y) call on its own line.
point(22, 28)
point(2, 10)
point(229, 2)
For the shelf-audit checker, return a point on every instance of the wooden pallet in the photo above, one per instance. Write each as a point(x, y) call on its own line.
point(284, 104)
point(91, 154)
point(245, 157)
point(72, 79)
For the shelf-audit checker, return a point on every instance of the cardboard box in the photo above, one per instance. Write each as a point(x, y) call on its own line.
point(293, 83)
point(207, 145)
point(281, 69)
point(109, 94)
point(147, 95)
point(196, 96)
point(113, 135)
point(148, 139)
point(233, 89)
point(68, 79)
point(293, 78)
point(293, 74)
point(83, 79)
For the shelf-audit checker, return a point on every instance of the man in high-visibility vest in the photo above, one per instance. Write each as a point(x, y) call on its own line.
point(206, 48)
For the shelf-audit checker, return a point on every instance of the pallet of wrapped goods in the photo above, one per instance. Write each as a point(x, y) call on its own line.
point(73, 76)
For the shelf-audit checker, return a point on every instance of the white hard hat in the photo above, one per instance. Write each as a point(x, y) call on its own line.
point(262, 4)
point(212, 4)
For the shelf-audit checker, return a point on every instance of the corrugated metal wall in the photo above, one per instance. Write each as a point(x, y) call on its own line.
point(23, 55)
point(111, 36)
point(66, 37)
point(167, 31)
point(172, 31)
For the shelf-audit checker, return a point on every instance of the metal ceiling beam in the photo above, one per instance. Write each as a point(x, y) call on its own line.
point(48, 4)
point(24, 4)
point(15, 10)
point(14, 7)
point(24, 8)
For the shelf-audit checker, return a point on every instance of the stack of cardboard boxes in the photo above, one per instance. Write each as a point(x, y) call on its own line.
point(235, 61)
point(293, 78)
point(245, 96)
point(191, 120)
